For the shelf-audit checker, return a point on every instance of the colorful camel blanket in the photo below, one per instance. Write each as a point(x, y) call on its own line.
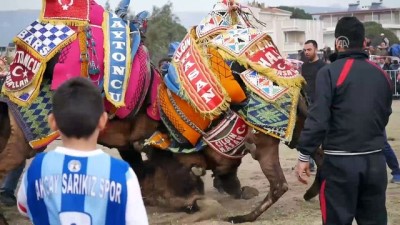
point(228, 137)
point(276, 118)
point(33, 119)
point(182, 120)
point(255, 49)
point(36, 45)
point(198, 85)
point(262, 86)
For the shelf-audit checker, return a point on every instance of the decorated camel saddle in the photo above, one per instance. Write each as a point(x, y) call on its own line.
point(225, 79)
point(79, 38)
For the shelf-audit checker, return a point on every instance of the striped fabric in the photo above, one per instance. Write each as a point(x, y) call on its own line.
point(66, 187)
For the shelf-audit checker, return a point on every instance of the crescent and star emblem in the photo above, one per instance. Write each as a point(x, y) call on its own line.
point(65, 6)
point(16, 72)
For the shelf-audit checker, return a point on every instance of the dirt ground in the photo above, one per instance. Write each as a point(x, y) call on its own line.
point(291, 209)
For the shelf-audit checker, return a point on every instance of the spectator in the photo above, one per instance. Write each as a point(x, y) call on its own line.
point(79, 183)
point(383, 50)
point(385, 40)
point(387, 64)
point(395, 65)
point(391, 161)
point(371, 50)
point(311, 67)
point(354, 175)
point(381, 62)
point(309, 71)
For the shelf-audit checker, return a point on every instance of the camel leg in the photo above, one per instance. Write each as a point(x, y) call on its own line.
point(267, 155)
point(229, 182)
point(313, 191)
point(134, 159)
point(217, 183)
point(3, 220)
point(4, 126)
point(225, 175)
point(15, 151)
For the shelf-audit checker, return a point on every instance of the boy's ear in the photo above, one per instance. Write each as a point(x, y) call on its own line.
point(103, 121)
point(52, 122)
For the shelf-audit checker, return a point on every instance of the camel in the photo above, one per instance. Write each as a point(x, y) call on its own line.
point(128, 136)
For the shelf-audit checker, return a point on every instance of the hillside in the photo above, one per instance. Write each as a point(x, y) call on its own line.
point(12, 22)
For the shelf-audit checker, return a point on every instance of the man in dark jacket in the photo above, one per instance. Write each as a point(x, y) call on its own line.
point(311, 67)
point(351, 109)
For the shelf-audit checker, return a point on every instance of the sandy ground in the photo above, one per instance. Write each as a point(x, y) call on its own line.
point(291, 209)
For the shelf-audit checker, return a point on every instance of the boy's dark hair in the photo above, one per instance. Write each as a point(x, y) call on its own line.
point(77, 107)
point(313, 42)
point(351, 29)
point(395, 61)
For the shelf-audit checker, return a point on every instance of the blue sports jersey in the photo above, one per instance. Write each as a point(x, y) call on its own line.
point(70, 187)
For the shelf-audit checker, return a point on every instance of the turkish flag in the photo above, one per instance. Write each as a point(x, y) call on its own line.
point(65, 10)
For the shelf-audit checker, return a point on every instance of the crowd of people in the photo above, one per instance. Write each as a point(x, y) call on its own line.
point(386, 62)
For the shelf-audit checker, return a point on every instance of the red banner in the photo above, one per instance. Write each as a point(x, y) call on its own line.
point(197, 81)
point(269, 57)
point(229, 136)
point(65, 10)
point(22, 70)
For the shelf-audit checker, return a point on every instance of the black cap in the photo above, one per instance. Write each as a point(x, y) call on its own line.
point(351, 32)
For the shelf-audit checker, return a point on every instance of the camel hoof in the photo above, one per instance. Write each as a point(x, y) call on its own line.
point(209, 209)
point(198, 171)
point(309, 195)
point(236, 219)
point(249, 192)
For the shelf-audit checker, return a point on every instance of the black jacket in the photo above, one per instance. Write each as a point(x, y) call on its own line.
point(309, 71)
point(352, 106)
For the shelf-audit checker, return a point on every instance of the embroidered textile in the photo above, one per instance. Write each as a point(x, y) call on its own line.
point(228, 137)
point(33, 119)
point(198, 83)
point(71, 12)
point(262, 86)
point(117, 58)
point(183, 117)
point(273, 118)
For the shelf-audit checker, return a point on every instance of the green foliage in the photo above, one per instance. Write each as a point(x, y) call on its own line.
point(163, 28)
point(297, 13)
point(107, 6)
point(373, 31)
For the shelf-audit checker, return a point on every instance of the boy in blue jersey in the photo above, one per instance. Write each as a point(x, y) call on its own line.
point(78, 184)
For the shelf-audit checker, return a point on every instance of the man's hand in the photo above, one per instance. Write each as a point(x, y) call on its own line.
point(303, 171)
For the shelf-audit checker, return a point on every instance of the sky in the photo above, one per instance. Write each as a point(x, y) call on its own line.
point(193, 5)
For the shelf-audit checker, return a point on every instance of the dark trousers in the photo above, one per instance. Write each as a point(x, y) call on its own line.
point(354, 187)
point(391, 158)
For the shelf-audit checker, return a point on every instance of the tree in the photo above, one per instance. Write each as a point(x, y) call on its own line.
point(373, 31)
point(163, 28)
point(107, 6)
point(297, 13)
